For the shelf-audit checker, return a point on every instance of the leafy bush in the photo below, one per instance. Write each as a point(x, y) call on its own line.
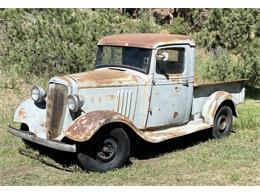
point(220, 65)
point(228, 28)
point(237, 31)
point(179, 26)
point(46, 42)
point(146, 23)
point(250, 55)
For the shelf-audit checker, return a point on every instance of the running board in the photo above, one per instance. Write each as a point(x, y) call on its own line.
point(157, 136)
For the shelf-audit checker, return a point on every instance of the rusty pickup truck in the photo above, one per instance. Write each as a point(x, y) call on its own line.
point(142, 85)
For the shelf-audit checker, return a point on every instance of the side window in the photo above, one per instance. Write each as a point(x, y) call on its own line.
point(170, 61)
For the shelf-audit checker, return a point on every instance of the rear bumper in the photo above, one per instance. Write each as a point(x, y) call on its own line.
point(48, 143)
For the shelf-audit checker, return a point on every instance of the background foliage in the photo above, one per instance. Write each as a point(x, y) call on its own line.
point(37, 44)
point(52, 41)
point(47, 42)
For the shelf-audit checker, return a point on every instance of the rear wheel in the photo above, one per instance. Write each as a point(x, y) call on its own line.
point(105, 152)
point(222, 122)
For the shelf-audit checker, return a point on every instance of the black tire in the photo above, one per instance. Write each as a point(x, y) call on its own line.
point(105, 152)
point(222, 122)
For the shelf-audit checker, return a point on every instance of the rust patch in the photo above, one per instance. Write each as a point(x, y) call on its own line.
point(171, 132)
point(56, 104)
point(213, 108)
point(221, 93)
point(43, 125)
point(177, 89)
point(104, 77)
point(145, 40)
point(175, 114)
point(82, 127)
point(22, 113)
point(112, 97)
point(85, 126)
point(214, 104)
point(99, 100)
point(65, 78)
point(221, 82)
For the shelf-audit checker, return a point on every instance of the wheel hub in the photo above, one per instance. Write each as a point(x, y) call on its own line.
point(222, 124)
point(106, 150)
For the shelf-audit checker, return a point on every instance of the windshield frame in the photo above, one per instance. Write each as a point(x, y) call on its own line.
point(125, 66)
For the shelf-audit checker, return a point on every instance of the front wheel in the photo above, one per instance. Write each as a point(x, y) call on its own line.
point(222, 122)
point(105, 152)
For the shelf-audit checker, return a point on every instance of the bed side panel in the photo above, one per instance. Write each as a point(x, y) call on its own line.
point(202, 92)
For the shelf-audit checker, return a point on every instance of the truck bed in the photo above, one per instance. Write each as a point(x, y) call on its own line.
point(203, 91)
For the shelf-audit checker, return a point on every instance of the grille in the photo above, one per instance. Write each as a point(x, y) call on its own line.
point(56, 106)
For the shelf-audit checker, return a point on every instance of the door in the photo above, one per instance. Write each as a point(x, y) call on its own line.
point(172, 88)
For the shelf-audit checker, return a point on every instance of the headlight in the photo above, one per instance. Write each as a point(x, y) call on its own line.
point(75, 102)
point(38, 94)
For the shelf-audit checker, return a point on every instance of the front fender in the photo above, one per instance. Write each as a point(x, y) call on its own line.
point(212, 104)
point(34, 115)
point(85, 126)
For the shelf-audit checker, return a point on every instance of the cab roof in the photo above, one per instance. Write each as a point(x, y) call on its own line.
point(146, 40)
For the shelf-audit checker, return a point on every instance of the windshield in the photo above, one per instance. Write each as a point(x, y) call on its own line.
point(126, 57)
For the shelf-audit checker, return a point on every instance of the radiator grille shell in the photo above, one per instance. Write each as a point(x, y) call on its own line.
point(56, 107)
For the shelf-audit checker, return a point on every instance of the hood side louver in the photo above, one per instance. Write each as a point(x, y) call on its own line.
point(124, 102)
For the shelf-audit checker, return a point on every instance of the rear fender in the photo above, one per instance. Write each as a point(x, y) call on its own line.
point(212, 104)
point(85, 126)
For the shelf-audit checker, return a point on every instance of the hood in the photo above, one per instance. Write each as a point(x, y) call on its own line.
point(105, 77)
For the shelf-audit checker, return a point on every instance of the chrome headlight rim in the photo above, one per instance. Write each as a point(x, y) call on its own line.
point(75, 102)
point(38, 94)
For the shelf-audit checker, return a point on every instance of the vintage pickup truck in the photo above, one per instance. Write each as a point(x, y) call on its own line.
point(143, 85)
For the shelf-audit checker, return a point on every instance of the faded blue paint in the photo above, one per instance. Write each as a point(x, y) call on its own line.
point(32, 115)
point(150, 102)
point(171, 97)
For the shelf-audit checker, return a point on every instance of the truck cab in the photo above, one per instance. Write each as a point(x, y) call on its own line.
point(143, 84)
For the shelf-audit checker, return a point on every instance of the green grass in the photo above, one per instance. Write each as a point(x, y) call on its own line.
point(189, 160)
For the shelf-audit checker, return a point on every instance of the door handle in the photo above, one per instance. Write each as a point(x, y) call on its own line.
point(186, 83)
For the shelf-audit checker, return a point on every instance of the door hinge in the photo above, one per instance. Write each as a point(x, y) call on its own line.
point(150, 111)
point(186, 83)
point(153, 82)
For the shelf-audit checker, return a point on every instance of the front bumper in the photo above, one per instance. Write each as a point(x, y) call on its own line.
point(48, 143)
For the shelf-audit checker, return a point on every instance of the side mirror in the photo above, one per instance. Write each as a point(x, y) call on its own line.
point(162, 57)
